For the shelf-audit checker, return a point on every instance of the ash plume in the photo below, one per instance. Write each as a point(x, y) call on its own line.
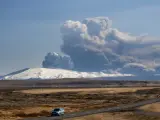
point(55, 60)
point(94, 45)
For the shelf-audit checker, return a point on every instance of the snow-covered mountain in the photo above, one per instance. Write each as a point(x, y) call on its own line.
point(46, 73)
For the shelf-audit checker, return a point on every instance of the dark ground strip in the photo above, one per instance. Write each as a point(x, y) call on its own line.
point(74, 83)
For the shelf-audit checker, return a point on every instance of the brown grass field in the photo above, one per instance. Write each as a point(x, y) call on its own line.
point(15, 104)
point(155, 107)
point(104, 116)
point(116, 116)
point(85, 90)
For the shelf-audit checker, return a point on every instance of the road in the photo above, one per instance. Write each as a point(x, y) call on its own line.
point(141, 112)
point(127, 107)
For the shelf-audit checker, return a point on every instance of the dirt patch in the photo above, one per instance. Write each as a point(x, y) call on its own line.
point(155, 107)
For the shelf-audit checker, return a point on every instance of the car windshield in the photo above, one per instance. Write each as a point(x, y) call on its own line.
point(57, 109)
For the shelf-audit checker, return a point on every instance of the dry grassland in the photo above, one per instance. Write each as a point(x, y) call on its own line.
point(40, 102)
point(116, 116)
point(85, 90)
point(155, 107)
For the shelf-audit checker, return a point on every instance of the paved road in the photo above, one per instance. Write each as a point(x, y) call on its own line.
point(127, 107)
point(141, 112)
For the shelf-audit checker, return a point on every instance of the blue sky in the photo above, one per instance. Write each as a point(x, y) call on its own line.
point(30, 28)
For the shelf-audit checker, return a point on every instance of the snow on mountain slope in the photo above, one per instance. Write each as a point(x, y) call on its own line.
point(45, 73)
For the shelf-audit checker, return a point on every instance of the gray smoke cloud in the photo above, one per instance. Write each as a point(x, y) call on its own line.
point(94, 45)
point(55, 60)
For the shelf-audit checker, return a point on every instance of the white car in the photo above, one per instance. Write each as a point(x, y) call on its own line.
point(57, 112)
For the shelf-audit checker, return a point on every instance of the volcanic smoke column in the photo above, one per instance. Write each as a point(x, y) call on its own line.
point(55, 60)
point(93, 45)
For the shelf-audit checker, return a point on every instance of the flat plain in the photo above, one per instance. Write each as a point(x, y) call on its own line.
point(26, 99)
